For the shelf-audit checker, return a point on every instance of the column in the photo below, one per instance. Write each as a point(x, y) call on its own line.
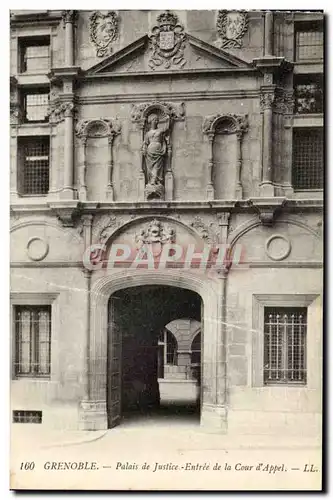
point(210, 186)
point(109, 189)
point(141, 180)
point(168, 174)
point(267, 187)
point(68, 18)
point(68, 191)
point(239, 188)
point(268, 44)
point(82, 169)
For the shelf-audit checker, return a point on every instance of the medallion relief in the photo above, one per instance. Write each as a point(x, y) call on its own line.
point(231, 27)
point(103, 29)
point(167, 42)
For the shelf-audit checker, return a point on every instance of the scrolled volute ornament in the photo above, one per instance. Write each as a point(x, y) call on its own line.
point(103, 30)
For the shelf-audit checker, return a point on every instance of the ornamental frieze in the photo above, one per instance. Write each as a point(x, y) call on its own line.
point(103, 30)
point(101, 127)
point(167, 42)
point(231, 27)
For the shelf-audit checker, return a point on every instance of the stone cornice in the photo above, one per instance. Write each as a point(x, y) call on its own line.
point(272, 64)
point(170, 96)
point(171, 206)
point(56, 75)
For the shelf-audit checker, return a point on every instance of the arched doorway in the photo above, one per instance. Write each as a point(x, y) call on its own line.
point(137, 319)
point(93, 407)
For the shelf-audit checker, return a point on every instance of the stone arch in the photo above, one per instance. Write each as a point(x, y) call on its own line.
point(175, 328)
point(214, 389)
point(24, 223)
point(254, 223)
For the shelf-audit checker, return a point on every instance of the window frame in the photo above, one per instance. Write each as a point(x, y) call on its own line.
point(301, 129)
point(308, 26)
point(260, 301)
point(21, 164)
point(32, 300)
point(24, 92)
point(33, 41)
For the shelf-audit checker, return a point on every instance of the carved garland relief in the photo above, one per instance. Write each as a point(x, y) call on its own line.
point(167, 42)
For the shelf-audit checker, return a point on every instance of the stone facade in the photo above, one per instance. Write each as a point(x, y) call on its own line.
point(167, 116)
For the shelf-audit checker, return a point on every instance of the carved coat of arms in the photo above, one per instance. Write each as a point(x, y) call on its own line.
point(167, 42)
point(103, 31)
point(155, 235)
point(231, 27)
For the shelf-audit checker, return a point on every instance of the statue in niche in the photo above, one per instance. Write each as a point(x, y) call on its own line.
point(154, 150)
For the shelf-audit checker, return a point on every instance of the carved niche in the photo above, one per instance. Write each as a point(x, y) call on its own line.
point(225, 124)
point(155, 120)
point(102, 127)
point(167, 42)
point(103, 30)
point(231, 27)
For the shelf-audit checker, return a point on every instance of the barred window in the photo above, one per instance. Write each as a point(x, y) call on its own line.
point(34, 154)
point(33, 341)
point(35, 105)
point(308, 158)
point(285, 345)
point(309, 41)
point(35, 54)
point(27, 417)
point(308, 94)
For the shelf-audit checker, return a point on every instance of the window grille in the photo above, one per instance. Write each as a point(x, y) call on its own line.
point(308, 158)
point(36, 106)
point(35, 164)
point(33, 340)
point(35, 55)
point(285, 345)
point(309, 41)
point(27, 417)
point(308, 94)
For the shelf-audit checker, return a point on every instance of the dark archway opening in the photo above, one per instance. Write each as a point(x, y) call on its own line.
point(139, 316)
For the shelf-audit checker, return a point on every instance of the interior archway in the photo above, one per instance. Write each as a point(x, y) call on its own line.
point(137, 316)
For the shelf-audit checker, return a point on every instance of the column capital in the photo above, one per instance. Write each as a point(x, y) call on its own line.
point(68, 16)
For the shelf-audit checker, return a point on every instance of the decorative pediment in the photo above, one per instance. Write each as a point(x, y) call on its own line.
point(145, 55)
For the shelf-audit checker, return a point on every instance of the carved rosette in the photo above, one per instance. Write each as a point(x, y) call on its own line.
point(167, 42)
point(231, 27)
point(103, 29)
point(140, 112)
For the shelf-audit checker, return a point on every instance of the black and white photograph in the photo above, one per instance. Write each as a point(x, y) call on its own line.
point(166, 249)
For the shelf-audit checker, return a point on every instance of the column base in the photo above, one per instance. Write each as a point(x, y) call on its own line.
point(67, 194)
point(168, 186)
point(214, 418)
point(141, 187)
point(239, 192)
point(109, 193)
point(266, 189)
point(210, 192)
point(83, 193)
point(93, 415)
